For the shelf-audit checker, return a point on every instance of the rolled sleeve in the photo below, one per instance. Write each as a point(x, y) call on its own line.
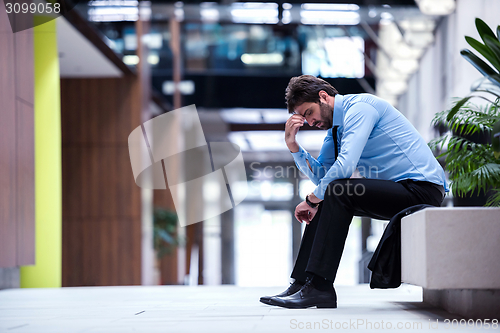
point(317, 170)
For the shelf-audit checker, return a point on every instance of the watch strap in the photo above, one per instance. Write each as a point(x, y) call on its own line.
point(312, 205)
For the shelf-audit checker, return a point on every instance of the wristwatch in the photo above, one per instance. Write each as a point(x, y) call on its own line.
point(312, 205)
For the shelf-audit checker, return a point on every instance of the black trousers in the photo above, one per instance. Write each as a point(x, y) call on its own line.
point(324, 238)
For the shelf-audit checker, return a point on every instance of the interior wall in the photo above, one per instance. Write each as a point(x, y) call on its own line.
point(46, 273)
point(101, 202)
point(444, 73)
point(17, 145)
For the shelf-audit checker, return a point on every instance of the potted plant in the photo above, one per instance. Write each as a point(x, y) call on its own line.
point(474, 165)
point(165, 237)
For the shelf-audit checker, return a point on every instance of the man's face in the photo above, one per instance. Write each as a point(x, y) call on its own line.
point(316, 114)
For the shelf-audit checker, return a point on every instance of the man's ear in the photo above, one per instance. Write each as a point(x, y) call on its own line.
point(323, 96)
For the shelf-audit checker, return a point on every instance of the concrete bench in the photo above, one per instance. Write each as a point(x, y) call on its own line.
point(454, 254)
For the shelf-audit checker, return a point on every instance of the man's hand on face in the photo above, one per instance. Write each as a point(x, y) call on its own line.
point(304, 213)
point(292, 126)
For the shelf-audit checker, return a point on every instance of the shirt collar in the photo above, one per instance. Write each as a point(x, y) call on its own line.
point(338, 110)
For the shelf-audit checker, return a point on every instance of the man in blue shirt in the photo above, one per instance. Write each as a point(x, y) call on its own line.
point(364, 133)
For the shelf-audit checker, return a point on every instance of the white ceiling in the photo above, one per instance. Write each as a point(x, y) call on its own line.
point(78, 57)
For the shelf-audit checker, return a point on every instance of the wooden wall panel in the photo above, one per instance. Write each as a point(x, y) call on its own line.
point(25, 183)
point(17, 163)
point(101, 202)
point(25, 64)
point(104, 110)
point(95, 260)
point(4, 20)
point(97, 178)
point(25, 146)
point(7, 150)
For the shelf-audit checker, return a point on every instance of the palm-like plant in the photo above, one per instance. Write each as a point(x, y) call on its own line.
point(474, 167)
point(165, 237)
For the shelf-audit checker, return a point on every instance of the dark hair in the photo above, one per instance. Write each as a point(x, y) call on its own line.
point(305, 89)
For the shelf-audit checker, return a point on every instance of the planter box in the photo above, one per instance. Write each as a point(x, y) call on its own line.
point(452, 248)
point(454, 254)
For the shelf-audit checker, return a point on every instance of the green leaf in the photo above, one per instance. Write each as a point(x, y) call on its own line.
point(485, 85)
point(481, 66)
point(479, 83)
point(166, 237)
point(484, 50)
point(457, 107)
point(479, 179)
point(483, 29)
point(498, 33)
point(494, 45)
point(494, 200)
point(495, 138)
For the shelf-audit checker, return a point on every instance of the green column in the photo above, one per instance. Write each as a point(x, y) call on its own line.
point(46, 273)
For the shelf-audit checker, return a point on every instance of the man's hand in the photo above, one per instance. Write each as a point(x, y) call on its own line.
point(304, 213)
point(291, 128)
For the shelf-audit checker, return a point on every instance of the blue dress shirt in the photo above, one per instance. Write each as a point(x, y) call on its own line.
point(377, 139)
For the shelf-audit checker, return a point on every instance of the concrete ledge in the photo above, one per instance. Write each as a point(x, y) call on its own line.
point(453, 253)
point(9, 277)
point(470, 303)
point(451, 248)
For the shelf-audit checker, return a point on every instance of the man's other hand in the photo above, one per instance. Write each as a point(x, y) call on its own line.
point(304, 213)
point(292, 126)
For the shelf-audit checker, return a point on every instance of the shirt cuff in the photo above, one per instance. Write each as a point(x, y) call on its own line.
point(319, 192)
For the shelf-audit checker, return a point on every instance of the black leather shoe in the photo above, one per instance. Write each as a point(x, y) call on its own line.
point(307, 297)
point(294, 287)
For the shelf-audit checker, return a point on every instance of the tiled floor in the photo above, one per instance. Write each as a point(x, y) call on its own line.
point(210, 309)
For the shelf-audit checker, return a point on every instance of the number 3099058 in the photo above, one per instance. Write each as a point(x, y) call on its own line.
point(45, 8)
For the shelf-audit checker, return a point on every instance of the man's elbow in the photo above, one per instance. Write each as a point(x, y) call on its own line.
point(309, 165)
